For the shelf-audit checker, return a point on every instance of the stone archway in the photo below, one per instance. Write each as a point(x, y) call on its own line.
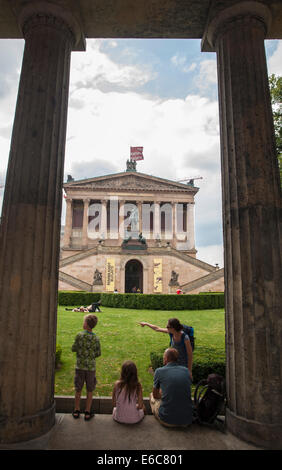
point(133, 273)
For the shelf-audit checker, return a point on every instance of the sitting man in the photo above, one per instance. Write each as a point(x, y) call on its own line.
point(171, 400)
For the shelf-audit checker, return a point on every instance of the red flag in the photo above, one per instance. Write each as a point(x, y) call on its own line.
point(136, 153)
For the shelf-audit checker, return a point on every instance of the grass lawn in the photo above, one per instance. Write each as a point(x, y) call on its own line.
point(122, 338)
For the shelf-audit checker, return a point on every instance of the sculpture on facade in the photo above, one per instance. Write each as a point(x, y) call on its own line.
point(130, 165)
point(97, 281)
point(174, 279)
point(134, 219)
point(141, 239)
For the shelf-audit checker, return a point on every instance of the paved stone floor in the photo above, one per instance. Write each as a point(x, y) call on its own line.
point(102, 433)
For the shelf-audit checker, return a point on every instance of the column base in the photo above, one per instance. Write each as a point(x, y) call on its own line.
point(268, 436)
point(27, 427)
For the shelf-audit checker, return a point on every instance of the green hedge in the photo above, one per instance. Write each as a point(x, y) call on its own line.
point(77, 298)
point(144, 301)
point(164, 301)
point(205, 361)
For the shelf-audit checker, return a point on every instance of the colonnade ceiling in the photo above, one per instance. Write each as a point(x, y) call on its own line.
point(136, 18)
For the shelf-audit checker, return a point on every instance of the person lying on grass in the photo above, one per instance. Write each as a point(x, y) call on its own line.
point(91, 308)
point(179, 340)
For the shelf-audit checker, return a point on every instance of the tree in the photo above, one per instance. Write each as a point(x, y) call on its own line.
point(275, 85)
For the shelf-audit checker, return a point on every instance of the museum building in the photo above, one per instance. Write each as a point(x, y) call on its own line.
point(131, 231)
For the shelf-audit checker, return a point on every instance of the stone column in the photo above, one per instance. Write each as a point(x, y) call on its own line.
point(121, 220)
point(139, 205)
point(104, 218)
point(174, 223)
point(251, 216)
point(86, 203)
point(30, 230)
point(190, 226)
point(157, 220)
point(68, 224)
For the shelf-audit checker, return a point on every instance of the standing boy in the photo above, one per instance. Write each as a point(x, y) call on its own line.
point(87, 348)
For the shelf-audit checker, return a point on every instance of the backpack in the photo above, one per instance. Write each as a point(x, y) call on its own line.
point(209, 398)
point(188, 330)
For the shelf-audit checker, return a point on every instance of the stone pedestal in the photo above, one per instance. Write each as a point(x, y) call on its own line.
point(97, 288)
point(30, 231)
point(252, 214)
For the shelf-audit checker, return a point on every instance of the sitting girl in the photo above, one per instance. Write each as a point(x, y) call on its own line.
point(127, 396)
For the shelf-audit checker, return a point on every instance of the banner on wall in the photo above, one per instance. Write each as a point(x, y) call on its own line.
point(110, 274)
point(158, 280)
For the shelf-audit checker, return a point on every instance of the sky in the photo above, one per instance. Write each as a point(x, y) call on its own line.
point(159, 94)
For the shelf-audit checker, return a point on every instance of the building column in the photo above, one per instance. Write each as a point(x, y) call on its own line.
point(157, 220)
point(174, 223)
point(140, 206)
point(104, 218)
point(251, 217)
point(121, 220)
point(190, 225)
point(86, 203)
point(68, 224)
point(30, 228)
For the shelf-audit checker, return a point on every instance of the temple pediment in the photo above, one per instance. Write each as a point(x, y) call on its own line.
point(132, 181)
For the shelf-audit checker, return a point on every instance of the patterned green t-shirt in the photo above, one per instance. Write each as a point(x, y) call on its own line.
point(87, 348)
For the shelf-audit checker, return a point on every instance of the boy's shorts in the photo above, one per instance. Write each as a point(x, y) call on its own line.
point(85, 376)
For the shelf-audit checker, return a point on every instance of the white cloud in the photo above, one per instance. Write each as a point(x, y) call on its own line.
point(172, 130)
point(94, 69)
point(275, 61)
point(180, 62)
point(206, 80)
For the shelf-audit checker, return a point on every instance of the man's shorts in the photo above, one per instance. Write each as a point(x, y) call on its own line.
point(85, 376)
point(155, 406)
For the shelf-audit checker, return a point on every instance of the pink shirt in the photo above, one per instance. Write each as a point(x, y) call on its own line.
point(125, 411)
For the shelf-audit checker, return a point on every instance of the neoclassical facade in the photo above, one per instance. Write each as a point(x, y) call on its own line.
point(130, 231)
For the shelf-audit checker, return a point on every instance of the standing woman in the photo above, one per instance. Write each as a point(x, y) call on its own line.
point(179, 341)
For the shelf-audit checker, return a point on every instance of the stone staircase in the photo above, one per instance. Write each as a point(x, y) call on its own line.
point(75, 282)
point(78, 256)
point(191, 260)
point(200, 282)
